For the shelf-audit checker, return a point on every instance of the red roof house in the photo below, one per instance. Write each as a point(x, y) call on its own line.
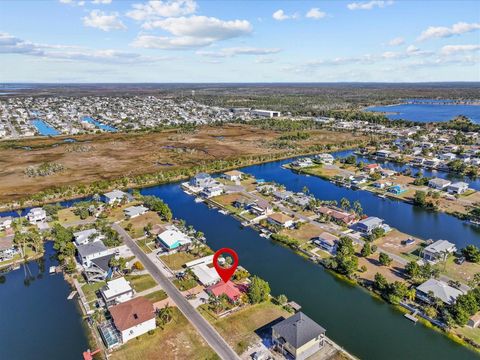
point(228, 288)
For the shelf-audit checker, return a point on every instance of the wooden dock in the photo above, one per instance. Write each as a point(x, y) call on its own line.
point(412, 316)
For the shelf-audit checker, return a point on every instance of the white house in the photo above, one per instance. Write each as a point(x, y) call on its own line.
point(325, 158)
point(327, 242)
point(385, 154)
point(438, 183)
point(115, 196)
point(5, 222)
point(117, 291)
point(91, 251)
point(369, 224)
point(173, 238)
point(36, 215)
point(439, 289)
point(134, 211)
point(457, 188)
point(133, 318)
point(439, 250)
point(212, 191)
point(204, 270)
point(265, 113)
point(280, 219)
point(233, 175)
point(85, 236)
point(303, 162)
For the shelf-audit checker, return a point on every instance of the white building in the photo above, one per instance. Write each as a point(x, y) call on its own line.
point(36, 215)
point(438, 183)
point(233, 175)
point(439, 250)
point(5, 222)
point(115, 196)
point(265, 113)
point(134, 211)
point(133, 318)
point(325, 158)
point(439, 289)
point(91, 251)
point(85, 236)
point(117, 291)
point(173, 238)
point(204, 270)
point(457, 188)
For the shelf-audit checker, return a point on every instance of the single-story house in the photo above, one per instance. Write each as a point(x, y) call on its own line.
point(338, 216)
point(387, 172)
point(261, 207)
point(439, 250)
point(439, 289)
point(280, 219)
point(173, 238)
point(90, 251)
point(133, 318)
point(438, 183)
point(385, 154)
point(359, 179)
point(5, 222)
point(303, 162)
point(204, 270)
point(225, 288)
point(396, 189)
point(327, 242)
point(282, 195)
point(447, 156)
point(474, 321)
point(134, 211)
point(117, 291)
point(371, 168)
point(457, 188)
point(115, 196)
point(233, 175)
point(36, 215)
point(369, 224)
point(7, 248)
point(85, 236)
point(432, 163)
point(298, 336)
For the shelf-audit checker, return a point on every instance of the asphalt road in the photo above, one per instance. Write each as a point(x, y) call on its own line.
point(211, 336)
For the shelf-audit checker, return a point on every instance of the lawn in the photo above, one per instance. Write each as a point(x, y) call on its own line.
point(90, 289)
point(177, 260)
point(141, 282)
point(187, 283)
point(143, 245)
point(239, 328)
point(178, 340)
point(470, 333)
point(463, 273)
point(116, 213)
point(66, 216)
point(155, 296)
point(304, 234)
point(139, 223)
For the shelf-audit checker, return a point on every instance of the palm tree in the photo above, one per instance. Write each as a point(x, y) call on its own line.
point(165, 315)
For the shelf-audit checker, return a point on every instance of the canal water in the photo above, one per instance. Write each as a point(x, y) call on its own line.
point(99, 124)
point(44, 129)
point(36, 319)
point(428, 112)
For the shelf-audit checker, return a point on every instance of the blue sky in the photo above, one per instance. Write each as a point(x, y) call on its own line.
point(239, 41)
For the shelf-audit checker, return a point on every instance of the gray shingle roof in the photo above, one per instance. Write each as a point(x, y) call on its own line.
point(298, 329)
point(91, 248)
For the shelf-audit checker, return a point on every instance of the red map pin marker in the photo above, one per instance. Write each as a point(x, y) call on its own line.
point(225, 273)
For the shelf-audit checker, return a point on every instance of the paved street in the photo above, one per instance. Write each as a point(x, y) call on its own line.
point(211, 336)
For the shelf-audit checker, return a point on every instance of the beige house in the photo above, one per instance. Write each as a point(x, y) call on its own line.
point(298, 336)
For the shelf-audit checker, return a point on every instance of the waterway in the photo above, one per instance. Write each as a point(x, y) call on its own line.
point(44, 129)
point(429, 112)
point(99, 124)
point(36, 319)
point(365, 326)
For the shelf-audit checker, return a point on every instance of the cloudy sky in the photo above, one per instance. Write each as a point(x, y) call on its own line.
point(239, 41)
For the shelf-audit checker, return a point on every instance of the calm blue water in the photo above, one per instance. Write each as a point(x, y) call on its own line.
point(428, 112)
point(99, 124)
point(36, 319)
point(367, 327)
point(43, 128)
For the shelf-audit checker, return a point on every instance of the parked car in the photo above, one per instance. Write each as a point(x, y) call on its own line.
point(460, 260)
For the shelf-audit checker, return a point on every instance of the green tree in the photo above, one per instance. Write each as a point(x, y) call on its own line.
point(344, 203)
point(366, 250)
point(384, 259)
point(281, 299)
point(346, 260)
point(380, 282)
point(471, 253)
point(258, 291)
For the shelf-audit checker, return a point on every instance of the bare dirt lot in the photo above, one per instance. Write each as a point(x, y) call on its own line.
point(109, 156)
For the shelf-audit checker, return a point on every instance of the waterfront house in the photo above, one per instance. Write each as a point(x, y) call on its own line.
point(447, 157)
point(115, 196)
point(474, 321)
point(7, 249)
point(280, 219)
point(324, 158)
point(371, 168)
point(369, 224)
point(298, 336)
point(340, 217)
point(99, 268)
point(300, 199)
point(359, 179)
point(202, 180)
point(438, 251)
point(225, 288)
point(387, 172)
point(117, 291)
point(439, 289)
point(396, 189)
point(418, 161)
point(90, 251)
point(457, 188)
point(383, 154)
point(212, 191)
point(438, 183)
point(85, 236)
point(261, 207)
point(133, 318)
point(5, 222)
point(134, 211)
point(172, 238)
point(204, 270)
point(431, 163)
point(36, 215)
point(233, 175)
point(327, 242)
point(282, 195)
point(303, 162)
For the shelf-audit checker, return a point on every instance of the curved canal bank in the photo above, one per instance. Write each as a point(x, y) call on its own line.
point(36, 319)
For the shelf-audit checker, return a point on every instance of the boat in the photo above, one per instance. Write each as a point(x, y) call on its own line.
point(473, 222)
point(52, 270)
point(199, 200)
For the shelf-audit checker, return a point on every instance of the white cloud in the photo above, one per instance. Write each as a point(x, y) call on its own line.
point(104, 2)
point(315, 13)
point(103, 21)
point(73, 2)
point(229, 52)
point(161, 9)
point(10, 44)
point(369, 5)
point(191, 32)
point(280, 15)
point(263, 60)
point(455, 49)
point(396, 41)
point(444, 31)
